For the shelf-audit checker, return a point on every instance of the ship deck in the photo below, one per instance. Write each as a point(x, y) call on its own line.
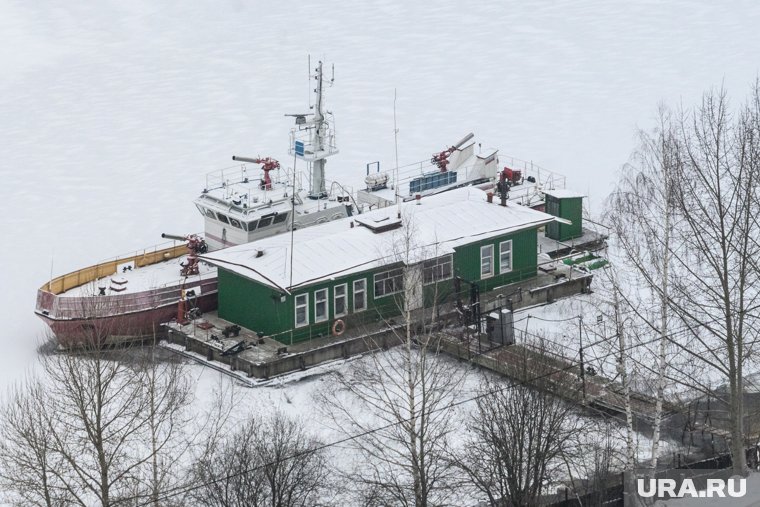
point(141, 279)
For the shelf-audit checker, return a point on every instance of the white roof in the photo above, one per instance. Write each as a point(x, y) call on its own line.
point(563, 193)
point(438, 224)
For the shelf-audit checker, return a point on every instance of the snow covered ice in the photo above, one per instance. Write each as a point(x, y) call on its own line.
point(111, 113)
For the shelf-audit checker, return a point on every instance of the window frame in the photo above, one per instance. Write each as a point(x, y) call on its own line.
point(363, 291)
point(336, 297)
point(434, 266)
point(395, 289)
point(326, 301)
point(501, 257)
point(265, 222)
point(305, 305)
point(490, 273)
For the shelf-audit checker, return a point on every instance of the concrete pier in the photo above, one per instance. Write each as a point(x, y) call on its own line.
point(263, 357)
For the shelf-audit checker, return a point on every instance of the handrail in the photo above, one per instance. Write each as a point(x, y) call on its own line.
point(92, 306)
point(89, 274)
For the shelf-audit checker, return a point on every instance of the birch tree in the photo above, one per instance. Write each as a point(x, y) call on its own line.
point(687, 222)
point(399, 401)
point(641, 213)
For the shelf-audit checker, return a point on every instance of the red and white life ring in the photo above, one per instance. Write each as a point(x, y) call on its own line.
point(338, 327)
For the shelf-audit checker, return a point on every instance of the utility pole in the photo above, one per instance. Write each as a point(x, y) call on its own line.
point(583, 368)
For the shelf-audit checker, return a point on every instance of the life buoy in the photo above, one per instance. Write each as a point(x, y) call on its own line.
point(338, 327)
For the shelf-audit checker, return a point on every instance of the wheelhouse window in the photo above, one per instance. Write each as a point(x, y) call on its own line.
point(265, 221)
point(222, 218)
point(235, 223)
point(302, 310)
point(320, 305)
point(486, 261)
point(436, 270)
point(252, 225)
point(339, 301)
point(280, 217)
point(209, 213)
point(360, 295)
point(389, 282)
point(505, 256)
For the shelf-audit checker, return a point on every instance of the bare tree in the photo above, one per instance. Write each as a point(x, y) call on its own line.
point(594, 460)
point(27, 458)
point(687, 220)
point(101, 425)
point(519, 437)
point(642, 214)
point(169, 394)
point(399, 401)
point(265, 462)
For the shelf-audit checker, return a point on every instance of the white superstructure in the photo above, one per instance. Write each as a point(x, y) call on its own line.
point(257, 199)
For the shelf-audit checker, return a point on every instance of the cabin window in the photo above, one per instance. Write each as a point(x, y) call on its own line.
point(486, 261)
point(209, 213)
point(389, 282)
point(302, 310)
point(505, 256)
point(280, 217)
point(222, 218)
point(235, 223)
point(265, 221)
point(360, 295)
point(436, 270)
point(320, 305)
point(339, 300)
point(252, 225)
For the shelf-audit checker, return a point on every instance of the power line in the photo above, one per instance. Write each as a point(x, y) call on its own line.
point(187, 489)
point(571, 365)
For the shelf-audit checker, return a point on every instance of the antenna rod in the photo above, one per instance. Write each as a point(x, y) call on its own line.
point(292, 219)
point(395, 141)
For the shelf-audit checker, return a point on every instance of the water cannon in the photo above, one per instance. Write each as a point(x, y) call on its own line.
point(267, 164)
point(174, 237)
point(245, 159)
point(514, 176)
point(441, 160)
point(195, 246)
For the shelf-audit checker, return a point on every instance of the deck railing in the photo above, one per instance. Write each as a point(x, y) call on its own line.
point(89, 274)
point(92, 306)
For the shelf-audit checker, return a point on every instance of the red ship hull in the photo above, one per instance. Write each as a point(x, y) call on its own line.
point(108, 327)
point(76, 318)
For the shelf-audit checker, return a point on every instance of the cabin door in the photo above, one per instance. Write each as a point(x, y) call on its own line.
point(413, 296)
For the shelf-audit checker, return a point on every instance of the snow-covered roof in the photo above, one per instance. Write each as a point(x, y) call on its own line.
point(563, 193)
point(334, 249)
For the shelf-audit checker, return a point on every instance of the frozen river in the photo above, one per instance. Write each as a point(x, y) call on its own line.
point(112, 112)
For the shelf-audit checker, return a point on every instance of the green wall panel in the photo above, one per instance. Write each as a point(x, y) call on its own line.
point(263, 309)
point(569, 208)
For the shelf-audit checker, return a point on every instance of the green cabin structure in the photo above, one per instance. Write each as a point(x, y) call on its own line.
point(566, 205)
point(372, 266)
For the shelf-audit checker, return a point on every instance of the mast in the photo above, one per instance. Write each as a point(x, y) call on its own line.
point(317, 189)
point(313, 139)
